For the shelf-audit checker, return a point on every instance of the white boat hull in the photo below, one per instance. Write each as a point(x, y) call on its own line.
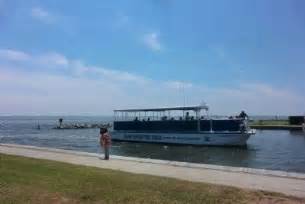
point(202, 138)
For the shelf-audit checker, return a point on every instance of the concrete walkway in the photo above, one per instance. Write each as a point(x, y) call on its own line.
point(275, 181)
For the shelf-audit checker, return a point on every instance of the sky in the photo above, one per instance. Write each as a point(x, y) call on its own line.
point(88, 58)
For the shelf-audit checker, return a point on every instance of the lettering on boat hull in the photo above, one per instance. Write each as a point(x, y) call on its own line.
point(230, 139)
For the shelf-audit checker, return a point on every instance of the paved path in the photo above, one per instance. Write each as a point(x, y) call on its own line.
point(275, 181)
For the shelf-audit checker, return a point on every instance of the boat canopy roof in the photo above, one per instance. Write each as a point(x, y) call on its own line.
point(181, 108)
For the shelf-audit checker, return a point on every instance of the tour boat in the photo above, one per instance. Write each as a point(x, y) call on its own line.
point(179, 125)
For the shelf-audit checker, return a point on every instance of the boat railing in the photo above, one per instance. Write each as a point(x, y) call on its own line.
point(173, 113)
point(162, 118)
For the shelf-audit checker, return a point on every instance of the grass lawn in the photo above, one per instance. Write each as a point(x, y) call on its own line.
point(25, 180)
point(270, 122)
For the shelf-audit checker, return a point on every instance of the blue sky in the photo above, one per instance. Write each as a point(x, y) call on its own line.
point(64, 57)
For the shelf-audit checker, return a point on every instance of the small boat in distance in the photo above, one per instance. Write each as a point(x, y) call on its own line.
point(179, 125)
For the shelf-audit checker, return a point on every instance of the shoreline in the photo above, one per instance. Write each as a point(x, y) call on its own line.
point(288, 183)
point(277, 127)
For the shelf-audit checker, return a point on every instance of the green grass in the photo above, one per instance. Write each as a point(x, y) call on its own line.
point(25, 180)
point(269, 122)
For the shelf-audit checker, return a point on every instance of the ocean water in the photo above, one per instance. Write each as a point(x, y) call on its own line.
point(268, 149)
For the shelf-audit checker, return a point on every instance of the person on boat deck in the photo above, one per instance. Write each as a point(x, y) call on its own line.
point(243, 115)
point(105, 142)
point(187, 117)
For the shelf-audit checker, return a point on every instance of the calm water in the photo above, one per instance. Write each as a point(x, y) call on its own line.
point(277, 150)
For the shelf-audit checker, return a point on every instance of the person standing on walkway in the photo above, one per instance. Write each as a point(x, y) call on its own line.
point(105, 141)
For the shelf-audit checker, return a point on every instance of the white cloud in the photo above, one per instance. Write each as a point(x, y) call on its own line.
point(178, 85)
point(75, 66)
point(13, 55)
point(152, 41)
point(42, 15)
point(78, 68)
point(53, 58)
point(50, 59)
point(86, 89)
point(118, 75)
point(257, 98)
